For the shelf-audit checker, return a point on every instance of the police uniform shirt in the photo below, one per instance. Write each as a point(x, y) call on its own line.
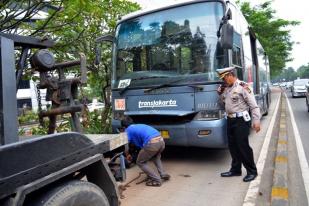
point(238, 98)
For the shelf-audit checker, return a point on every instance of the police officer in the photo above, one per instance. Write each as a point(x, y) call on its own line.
point(238, 99)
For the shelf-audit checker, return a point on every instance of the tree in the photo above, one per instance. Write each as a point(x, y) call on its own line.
point(15, 16)
point(75, 25)
point(303, 71)
point(272, 32)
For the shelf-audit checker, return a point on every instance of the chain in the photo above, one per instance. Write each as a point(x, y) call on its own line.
point(85, 111)
point(39, 104)
point(81, 89)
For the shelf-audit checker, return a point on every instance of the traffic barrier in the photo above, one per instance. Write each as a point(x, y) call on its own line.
point(280, 192)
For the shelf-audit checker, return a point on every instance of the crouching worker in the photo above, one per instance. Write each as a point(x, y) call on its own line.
point(152, 145)
point(131, 155)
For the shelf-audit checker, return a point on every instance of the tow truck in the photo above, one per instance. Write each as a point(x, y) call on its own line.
point(68, 168)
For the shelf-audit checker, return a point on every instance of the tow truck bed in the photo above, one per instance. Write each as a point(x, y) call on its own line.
point(26, 161)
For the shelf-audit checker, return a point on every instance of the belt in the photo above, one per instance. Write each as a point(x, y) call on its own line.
point(156, 139)
point(234, 115)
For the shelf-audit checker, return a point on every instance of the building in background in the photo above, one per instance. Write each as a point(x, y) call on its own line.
point(27, 96)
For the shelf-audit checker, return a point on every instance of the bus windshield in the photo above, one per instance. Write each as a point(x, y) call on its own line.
point(178, 45)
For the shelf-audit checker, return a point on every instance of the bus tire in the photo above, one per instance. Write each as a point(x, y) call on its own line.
point(267, 107)
point(72, 193)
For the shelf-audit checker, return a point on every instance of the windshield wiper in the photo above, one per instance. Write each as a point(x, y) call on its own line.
point(168, 84)
point(149, 77)
point(140, 78)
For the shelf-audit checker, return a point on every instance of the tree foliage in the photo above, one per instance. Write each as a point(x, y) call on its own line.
point(16, 15)
point(303, 71)
point(290, 74)
point(74, 24)
point(272, 32)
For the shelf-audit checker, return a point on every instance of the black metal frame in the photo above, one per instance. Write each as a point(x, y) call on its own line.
point(26, 166)
point(8, 102)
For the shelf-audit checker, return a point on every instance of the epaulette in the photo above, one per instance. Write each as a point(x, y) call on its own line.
point(245, 86)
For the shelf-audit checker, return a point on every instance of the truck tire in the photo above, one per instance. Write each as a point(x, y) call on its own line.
point(72, 193)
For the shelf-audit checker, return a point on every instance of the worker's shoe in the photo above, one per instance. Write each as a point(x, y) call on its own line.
point(230, 174)
point(153, 183)
point(250, 177)
point(165, 177)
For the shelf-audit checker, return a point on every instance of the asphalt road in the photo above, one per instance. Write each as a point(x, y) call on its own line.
point(196, 177)
point(301, 116)
point(296, 176)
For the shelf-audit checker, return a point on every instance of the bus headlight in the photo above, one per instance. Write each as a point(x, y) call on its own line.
point(207, 115)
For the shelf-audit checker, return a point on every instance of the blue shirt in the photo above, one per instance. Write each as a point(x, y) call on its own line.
point(140, 134)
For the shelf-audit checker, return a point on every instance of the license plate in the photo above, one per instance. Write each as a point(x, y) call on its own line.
point(165, 134)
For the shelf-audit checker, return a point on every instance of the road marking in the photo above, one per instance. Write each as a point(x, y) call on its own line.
point(282, 142)
point(281, 159)
point(300, 151)
point(253, 189)
point(280, 192)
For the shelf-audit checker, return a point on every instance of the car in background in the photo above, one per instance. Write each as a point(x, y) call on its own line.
point(276, 84)
point(282, 85)
point(299, 88)
point(289, 85)
point(307, 97)
point(95, 106)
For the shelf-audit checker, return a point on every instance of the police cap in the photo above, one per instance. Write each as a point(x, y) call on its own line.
point(224, 71)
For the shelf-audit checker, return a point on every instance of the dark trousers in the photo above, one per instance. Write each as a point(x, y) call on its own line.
point(152, 151)
point(238, 142)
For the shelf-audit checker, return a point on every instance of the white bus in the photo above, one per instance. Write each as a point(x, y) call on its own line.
point(164, 69)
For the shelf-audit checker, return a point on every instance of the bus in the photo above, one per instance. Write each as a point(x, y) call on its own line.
point(164, 69)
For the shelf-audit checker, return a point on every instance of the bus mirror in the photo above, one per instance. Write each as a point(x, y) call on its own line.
point(227, 32)
point(107, 37)
point(98, 41)
point(229, 14)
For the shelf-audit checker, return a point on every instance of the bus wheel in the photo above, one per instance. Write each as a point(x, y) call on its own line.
point(72, 193)
point(267, 107)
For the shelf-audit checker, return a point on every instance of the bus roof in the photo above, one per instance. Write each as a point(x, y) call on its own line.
point(152, 10)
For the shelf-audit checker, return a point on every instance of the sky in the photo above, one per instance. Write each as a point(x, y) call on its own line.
point(285, 9)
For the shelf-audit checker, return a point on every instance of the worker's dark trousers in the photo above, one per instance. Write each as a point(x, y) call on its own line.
point(152, 151)
point(241, 152)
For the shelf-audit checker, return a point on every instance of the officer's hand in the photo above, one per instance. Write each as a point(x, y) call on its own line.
point(256, 127)
point(220, 90)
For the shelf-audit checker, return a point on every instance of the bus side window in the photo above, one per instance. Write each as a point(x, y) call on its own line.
point(237, 55)
point(236, 51)
point(240, 75)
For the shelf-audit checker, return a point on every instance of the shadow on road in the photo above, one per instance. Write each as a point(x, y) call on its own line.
point(194, 154)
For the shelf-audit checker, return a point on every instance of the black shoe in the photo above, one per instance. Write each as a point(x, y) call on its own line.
point(230, 174)
point(165, 177)
point(249, 178)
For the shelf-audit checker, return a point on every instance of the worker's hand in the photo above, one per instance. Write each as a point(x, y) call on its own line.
point(257, 127)
point(129, 157)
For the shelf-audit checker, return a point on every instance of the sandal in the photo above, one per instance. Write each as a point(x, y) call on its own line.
point(144, 180)
point(153, 183)
point(166, 177)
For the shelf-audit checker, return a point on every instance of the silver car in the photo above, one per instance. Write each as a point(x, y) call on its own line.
point(307, 97)
point(298, 88)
